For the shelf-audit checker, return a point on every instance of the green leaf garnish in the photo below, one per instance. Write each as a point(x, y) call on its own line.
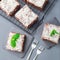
point(53, 32)
point(13, 43)
point(14, 39)
point(16, 36)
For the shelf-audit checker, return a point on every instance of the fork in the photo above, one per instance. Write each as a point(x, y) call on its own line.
point(33, 46)
point(39, 51)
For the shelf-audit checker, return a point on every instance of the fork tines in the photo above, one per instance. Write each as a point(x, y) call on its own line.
point(35, 41)
point(41, 48)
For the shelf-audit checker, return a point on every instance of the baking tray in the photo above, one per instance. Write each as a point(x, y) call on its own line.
point(47, 44)
point(41, 14)
point(4, 37)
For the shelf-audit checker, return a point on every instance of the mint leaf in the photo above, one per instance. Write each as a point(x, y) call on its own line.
point(14, 39)
point(53, 32)
point(13, 43)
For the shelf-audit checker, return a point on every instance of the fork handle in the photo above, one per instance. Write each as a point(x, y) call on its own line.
point(28, 58)
point(35, 57)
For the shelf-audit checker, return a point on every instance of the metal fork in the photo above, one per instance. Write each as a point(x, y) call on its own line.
point(39, 50)
point(33, 46)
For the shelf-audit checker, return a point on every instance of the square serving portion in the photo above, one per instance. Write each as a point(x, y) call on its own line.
point(10, 7)
point(15, 42)
point(26, 16)
point(40, 4)
point(51, 33)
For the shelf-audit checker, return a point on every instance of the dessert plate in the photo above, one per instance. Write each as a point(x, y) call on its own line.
point(4, 38)
point(47, 44)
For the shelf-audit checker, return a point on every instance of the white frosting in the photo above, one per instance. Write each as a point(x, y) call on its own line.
point(19, 43)
point(47, 30)
point(26, 16)
point(38, 3)
point(8, 5)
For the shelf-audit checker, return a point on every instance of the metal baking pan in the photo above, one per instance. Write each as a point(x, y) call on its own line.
point(41, 14)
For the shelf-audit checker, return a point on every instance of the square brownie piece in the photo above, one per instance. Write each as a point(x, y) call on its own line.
point(40, 4)
point(51, 33)
point(10, 7)
point(15, 42)
point(26, 16)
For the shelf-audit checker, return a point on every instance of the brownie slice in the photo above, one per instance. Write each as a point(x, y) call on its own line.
point(10, 7)
point(51, 33)
point(26, 16)
point(15, 42)
point(39, 4)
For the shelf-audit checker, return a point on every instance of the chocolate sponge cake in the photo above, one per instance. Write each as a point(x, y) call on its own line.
point(26, 16)
point(40, 4)
point(51, 33)
point(15, 42)
point(10, 7)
